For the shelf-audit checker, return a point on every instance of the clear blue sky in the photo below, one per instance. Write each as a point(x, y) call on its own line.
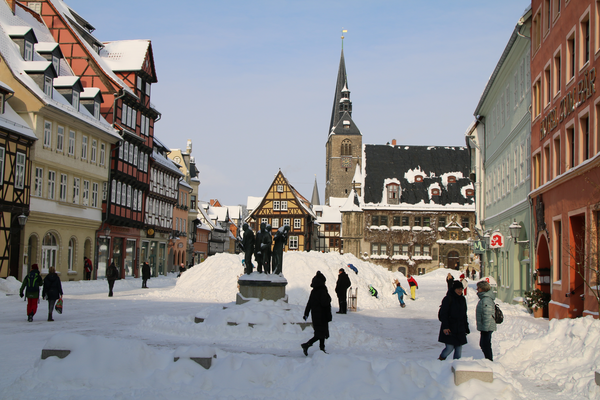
point(252, 82)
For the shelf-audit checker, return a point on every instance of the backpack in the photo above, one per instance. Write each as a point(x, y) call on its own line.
point(32, 282)
point(498, 315)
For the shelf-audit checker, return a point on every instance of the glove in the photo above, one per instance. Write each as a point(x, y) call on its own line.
point(21, 294)
point(305, 317)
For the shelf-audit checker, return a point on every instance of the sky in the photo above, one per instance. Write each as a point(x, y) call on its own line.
point(123, 347)
point(252, 82)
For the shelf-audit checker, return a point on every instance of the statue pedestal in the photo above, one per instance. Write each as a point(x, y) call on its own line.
point(261, 287)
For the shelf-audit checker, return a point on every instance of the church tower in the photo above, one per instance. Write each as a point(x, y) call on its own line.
point(344, 142)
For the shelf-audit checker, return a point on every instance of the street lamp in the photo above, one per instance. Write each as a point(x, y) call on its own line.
point(22, 220)
point(515, 230)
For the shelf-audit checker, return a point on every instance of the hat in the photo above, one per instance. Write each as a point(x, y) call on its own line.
point(457, 285)
point(34, 266)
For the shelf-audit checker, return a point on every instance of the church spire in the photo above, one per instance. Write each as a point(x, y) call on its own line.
point(341, 100)
point(315, 201)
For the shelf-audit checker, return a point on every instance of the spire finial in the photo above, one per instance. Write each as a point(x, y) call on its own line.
point(343, 31)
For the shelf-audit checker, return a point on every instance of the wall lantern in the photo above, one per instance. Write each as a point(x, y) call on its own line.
point(515, 230)
point(22, 220)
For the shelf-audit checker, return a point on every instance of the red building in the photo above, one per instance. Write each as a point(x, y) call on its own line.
point(565, 150)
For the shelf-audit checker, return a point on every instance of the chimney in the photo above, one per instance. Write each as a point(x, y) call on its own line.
point(393, 142)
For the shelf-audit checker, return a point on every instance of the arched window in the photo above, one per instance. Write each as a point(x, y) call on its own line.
point(49, 252)
point(346, 147)
point(392, 192)
point(71, 254)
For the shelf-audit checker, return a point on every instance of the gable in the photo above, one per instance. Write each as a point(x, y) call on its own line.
point(279, 191)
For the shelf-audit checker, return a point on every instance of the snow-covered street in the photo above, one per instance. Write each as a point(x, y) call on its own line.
point(123, 347)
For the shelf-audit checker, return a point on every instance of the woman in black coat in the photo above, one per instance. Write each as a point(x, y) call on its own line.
point(52, 290)
point(455, 325)
point(319, 305)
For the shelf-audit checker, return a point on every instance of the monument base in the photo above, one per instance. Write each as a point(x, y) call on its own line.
point(261, 287)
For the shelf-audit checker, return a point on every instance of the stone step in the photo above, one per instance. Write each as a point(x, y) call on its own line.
point(466, 370)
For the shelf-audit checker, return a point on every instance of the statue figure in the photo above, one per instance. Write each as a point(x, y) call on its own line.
point(248, 247)
point(258, 255)
point(265, 247)
point(280, 240)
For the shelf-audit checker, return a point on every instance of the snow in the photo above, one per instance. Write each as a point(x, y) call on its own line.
point(124, 346)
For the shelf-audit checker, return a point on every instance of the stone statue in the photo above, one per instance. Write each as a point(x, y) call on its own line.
point(258, 255)
point(280, 240)
point(265, 247)
point(248, 247)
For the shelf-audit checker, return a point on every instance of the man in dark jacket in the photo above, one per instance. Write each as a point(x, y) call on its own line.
point(32, 282)
point(145, 274)
point(112, 273)
point(87, 267)
point(52, 290)
point(342, 285)
point(455, 325)
point(319, 306)
point(248, 246)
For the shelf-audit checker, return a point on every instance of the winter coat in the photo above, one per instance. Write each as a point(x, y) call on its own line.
point(52, 288)
point(400, 292)
point(112, 273)
point(453, 314)
point(146, 271)
point(36, 281)
point(485, 311)
point(319, 306)
point(412, 282)
point(342, 285)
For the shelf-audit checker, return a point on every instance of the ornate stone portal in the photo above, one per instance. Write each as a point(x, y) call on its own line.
point(261, 287)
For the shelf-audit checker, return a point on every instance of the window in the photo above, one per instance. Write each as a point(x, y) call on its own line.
point(102, 153)
point(584, 139)
point(96, 110)
point(130, 154)
point(419, 178)
point(84, 147)
point(60, 138)
point(118, 198)
point(75, 100)
point(75, 190)
point(51, 184)
point(140, 201)
point(293, 243)
point(392, 190)
point(135, 156)
point(374, 249)
point(557, 247)
point(2, 157)
point(570, 147)
point(279, 188)
point(547, 177)
point(557, 71)
point(143, 120)
point(286, 221)
point(297, 223)
point(556, 157)
point(405, 221)
point(192, 202)
point(148, 87)
point(47, 134)
point(346, 149)
point(49, 251)
point(547, 16)
point(585, 40)
point(48, 86)
point(139, 83)
point(275, 223)
point(129, 196)
point(451, 179)
point(94, 195)
point(124, 195)
point(35, 6)
point(396, 250)
point(442, 221)
point(276, 205)
point(435, 192)
point(571, 56)
point(126, 151)
point(284, 205)
point(28, 54)
point(536, 31)
point(20, 171)
point(62, 195)
point(70, 255)
point(547, 86)
point(536, 100)
point(396, 221)
point(85, 195)
point(39, 181)
point(71, 143)
point(426, 250)
point(417, 250)
point(556, 9)
point(417, 221)
point(405, 250)
point(465, 222)
point(94, 148)
point(426, 221)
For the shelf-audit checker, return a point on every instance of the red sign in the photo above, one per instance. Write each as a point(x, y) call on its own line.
point(496, 240)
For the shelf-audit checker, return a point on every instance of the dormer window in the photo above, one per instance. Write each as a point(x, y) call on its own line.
point(392, 193)
point(48, 86)
point(56, 63)
point(75, 99)
point(28, 54)
point(96, 110)
point(451, 179)
point(35, 6)
point(470, 192)
point(435, 192)
point(419, 178)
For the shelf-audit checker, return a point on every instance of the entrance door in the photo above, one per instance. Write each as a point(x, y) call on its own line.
point(578, 265)
point(454, 260)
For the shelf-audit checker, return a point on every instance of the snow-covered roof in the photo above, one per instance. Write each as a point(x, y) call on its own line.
point(165, 162)
point(17, 30)
point(89, 93)
point(6, 87)
point(45, 47)
point(183, 183)
point(253, 202)
point(65, 81)
point(36, 66)
point(125, 55)
point(235, 212)
point(329, 215)
point(11, 121)
point(353, 203)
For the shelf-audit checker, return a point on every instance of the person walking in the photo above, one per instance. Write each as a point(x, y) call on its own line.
point(319, 306)
point(87, 267)
point(484, 314)
point(145, 274)
point(52, 290)
point(341, 287)
point(413, 287)
point(32, 283)
point(112, 273)
point(455, 325)
point(400, 292)
point(473, 274)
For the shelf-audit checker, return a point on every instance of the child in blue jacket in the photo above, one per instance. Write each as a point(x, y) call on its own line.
point(400, 292)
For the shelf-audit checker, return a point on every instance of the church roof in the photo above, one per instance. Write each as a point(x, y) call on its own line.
point(346, 126)
point(418, 170)
point(341, 84)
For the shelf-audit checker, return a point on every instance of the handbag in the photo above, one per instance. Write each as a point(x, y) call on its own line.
point(59, 306)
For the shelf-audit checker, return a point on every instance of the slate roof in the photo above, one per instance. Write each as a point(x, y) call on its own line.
point(346, 119)
point(384, 164)
point(342, 81)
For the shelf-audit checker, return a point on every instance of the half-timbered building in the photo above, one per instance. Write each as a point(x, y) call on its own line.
point(16, 140)
point(283, 205)
point(124, 72)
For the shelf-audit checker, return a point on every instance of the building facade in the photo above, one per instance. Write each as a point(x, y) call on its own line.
point(499, 142)
point(565, 153)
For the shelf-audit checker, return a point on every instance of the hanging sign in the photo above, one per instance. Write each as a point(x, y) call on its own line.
point(496, 240)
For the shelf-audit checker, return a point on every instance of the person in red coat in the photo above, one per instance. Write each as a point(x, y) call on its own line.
point(413, 287)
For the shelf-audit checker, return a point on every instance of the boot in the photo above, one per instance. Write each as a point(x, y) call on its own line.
point(50, 317)
point(305, 347)
point(29, 317)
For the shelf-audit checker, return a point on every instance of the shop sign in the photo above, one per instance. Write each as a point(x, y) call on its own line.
point(496, 240)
